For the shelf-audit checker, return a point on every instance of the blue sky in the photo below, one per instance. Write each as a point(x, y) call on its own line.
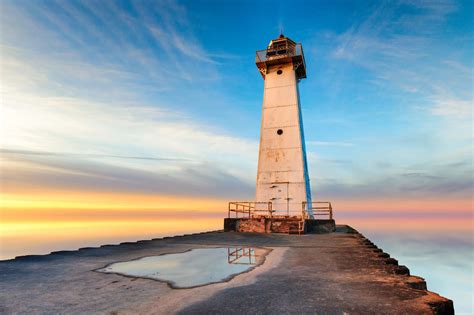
point(106, 99)
point(163, 97)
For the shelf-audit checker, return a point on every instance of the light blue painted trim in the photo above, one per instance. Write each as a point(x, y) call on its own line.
point(305, 162)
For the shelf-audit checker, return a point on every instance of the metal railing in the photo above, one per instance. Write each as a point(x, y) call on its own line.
point(319, 208)
point(249, 208)
point(241, 256)
point(277, 52)
point(287, 210)
point(300, 229)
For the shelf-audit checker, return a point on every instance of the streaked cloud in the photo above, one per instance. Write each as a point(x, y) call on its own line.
point(82, 155)
point(398, 50)
point(21, 173)
point(443, 181)
point(453, 107)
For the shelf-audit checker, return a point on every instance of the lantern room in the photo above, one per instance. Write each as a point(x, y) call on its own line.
point(280, 51)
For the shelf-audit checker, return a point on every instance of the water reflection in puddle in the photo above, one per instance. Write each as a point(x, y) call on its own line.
point(192, 268)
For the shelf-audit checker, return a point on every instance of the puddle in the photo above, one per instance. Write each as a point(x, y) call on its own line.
point(193, 268)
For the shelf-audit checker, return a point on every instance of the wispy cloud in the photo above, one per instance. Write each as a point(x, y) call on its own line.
point(98, 45)
point(400, 51)
point(83, 155)
point(438, 180)
point(110, 88)
point(63, 173)
point(78, 126)
point(452, 107)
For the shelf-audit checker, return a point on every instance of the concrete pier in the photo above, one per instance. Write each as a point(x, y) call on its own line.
point(333, 273)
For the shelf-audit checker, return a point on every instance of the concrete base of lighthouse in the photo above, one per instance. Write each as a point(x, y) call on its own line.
point(279, 225)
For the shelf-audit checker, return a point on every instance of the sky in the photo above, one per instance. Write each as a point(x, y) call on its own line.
point(125, 120)
point(150, 105)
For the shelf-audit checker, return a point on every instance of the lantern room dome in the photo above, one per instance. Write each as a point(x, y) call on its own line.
point(280, 40)
point(282, 50)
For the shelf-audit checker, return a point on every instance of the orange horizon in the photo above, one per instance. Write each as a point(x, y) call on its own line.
point(66, 206)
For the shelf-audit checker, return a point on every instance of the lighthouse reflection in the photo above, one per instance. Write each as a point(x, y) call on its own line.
point(241, 255)
point(193, 267)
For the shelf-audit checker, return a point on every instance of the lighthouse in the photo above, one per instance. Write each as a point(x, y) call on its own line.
point(283, 202)
point(282, 176)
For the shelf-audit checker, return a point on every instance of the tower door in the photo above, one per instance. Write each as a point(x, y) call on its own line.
point(280, 197)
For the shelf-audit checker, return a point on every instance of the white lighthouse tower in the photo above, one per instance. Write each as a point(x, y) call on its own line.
point(283, 195)
point(282, 176)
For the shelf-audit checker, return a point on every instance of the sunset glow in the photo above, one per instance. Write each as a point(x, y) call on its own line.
point(132, 120)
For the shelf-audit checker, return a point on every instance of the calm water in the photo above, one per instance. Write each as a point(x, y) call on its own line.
point(26, 238)
point(440, 251)
point(192, 268)
point(445, 260)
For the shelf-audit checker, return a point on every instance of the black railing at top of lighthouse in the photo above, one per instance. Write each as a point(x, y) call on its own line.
point(279, 54)
point(279, 51)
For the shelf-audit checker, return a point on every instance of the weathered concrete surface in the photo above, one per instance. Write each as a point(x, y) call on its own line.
point(262, 225)
point(278, 225)
point(333, 273)
point(282, 175)
point(320, 226)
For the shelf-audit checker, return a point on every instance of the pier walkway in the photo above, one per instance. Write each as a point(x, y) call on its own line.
point(335, 273)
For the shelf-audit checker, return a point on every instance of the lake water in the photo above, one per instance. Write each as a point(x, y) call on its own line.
point(42, 237)
point(441, 251)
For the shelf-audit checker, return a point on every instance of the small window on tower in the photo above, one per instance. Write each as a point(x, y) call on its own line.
point(279, 72)
point(279, 132)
